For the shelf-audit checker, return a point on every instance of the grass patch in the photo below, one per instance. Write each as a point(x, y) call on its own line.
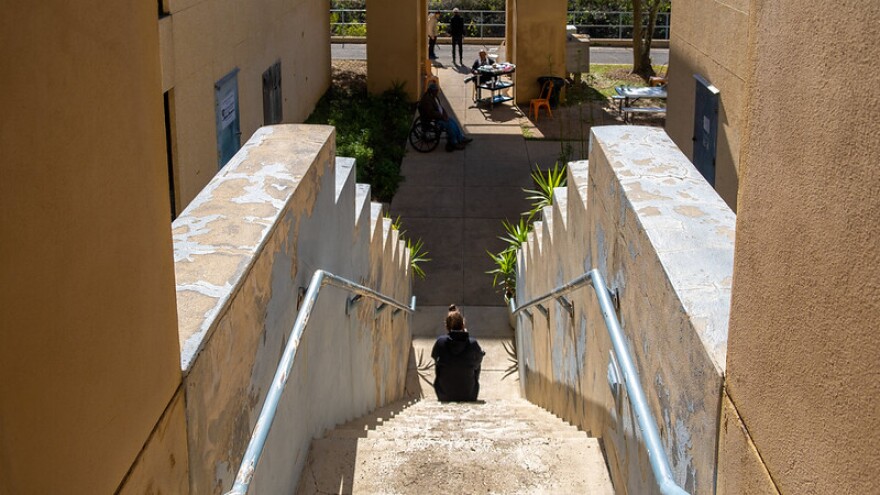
point(372, 129)
point(604, 77)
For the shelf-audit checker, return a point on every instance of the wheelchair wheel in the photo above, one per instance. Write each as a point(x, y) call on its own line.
point(424, 138)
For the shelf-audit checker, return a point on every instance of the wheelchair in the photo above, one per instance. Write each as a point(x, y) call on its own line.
point(424, 136)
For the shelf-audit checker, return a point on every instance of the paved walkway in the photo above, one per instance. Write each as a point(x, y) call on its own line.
point(455, 201)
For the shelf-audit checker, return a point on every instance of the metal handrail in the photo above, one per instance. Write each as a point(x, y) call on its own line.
point(282, 373)
point(644, 417)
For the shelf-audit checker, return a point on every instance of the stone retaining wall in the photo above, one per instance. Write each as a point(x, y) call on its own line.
point(663, 239)
point(245, 249)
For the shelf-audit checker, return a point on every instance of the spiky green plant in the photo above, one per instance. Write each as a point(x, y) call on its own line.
point(417, 256)
point(512, 358)
point(516, 234)
point(504, 273)
point(545, 183)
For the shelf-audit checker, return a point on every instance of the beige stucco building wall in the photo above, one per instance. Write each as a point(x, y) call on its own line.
point(709, 38)
point(535, 43)
point(203, 40)
point(802, 381)
point(88, 340)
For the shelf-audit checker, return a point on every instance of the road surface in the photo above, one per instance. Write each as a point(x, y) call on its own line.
point(598, 54)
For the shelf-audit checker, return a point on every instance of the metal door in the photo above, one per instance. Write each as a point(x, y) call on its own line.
point(228, 126)
point(705, 128)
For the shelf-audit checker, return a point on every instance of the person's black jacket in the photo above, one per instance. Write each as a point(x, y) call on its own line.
point(458, 358)
point(456, 26)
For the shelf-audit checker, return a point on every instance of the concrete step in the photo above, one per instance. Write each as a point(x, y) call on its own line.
point(455, 465)
point(499, 446)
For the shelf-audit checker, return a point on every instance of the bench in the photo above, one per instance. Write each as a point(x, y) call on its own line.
point(628, 112)
point(617, 102)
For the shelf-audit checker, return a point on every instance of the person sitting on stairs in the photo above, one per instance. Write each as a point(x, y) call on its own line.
point(458, 358)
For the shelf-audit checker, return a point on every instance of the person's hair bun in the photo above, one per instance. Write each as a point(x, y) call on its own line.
point(452, 307)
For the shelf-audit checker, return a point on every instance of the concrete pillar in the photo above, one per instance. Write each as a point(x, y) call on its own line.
point(396, 44)
point(89, 354)
point(537, 43)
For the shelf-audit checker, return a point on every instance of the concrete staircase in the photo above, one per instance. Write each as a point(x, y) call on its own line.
point(508, 446)
point(502, 444)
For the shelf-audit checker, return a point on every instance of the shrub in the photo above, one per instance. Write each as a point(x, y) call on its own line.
point(370, 129)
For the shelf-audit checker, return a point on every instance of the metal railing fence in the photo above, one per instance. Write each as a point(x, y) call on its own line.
point(635, 393)
point(285, 365)
point(491, 23)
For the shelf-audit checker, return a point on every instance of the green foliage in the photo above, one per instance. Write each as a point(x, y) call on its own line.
point(417, 252)
point(597, 5)
point(417, 256)
point(370, 129)
point(504, 273)
point(516, 234)
point(545, 183)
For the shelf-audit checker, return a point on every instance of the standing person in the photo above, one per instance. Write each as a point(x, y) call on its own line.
point(456, 30)
point(458, 359)
point(433, 24)
point(431, 109)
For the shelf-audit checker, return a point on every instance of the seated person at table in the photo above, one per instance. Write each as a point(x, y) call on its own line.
point(482, 60)
point(459, 358)
point(431, 109)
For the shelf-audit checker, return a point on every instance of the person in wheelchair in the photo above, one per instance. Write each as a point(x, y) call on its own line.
point(430, 109)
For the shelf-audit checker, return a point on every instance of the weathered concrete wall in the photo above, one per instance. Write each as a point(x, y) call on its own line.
point(663, 240)
point(203, 40)
point(396, 45)
point(88, 350)
point(538, 43)
point(710, 38)
point(804, 345)
point(244, 247)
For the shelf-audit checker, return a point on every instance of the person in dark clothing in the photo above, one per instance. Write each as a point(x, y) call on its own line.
point(431, 109)
point(458, 358)
point(482, 59)
point(456, 30)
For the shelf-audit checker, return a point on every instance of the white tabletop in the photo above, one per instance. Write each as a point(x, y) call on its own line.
point(641, 92)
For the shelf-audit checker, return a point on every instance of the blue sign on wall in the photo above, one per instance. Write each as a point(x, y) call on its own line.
point(228, 122)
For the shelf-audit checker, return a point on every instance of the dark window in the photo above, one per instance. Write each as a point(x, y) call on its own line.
point(272, 108)
point(169, 152)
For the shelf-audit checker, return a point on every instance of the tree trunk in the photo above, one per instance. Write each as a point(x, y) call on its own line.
point(643, 36)
point(637, 36)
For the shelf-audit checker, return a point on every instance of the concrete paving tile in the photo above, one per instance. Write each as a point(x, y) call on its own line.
point(433, 172)
point(442, 236)
point(477, 284)
point(424, 201)
point(544, 153)
point(481, 234)
point(500, 114)
point(508, 148)
point(493, 172)
point(436, 289)
point(494, 202)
